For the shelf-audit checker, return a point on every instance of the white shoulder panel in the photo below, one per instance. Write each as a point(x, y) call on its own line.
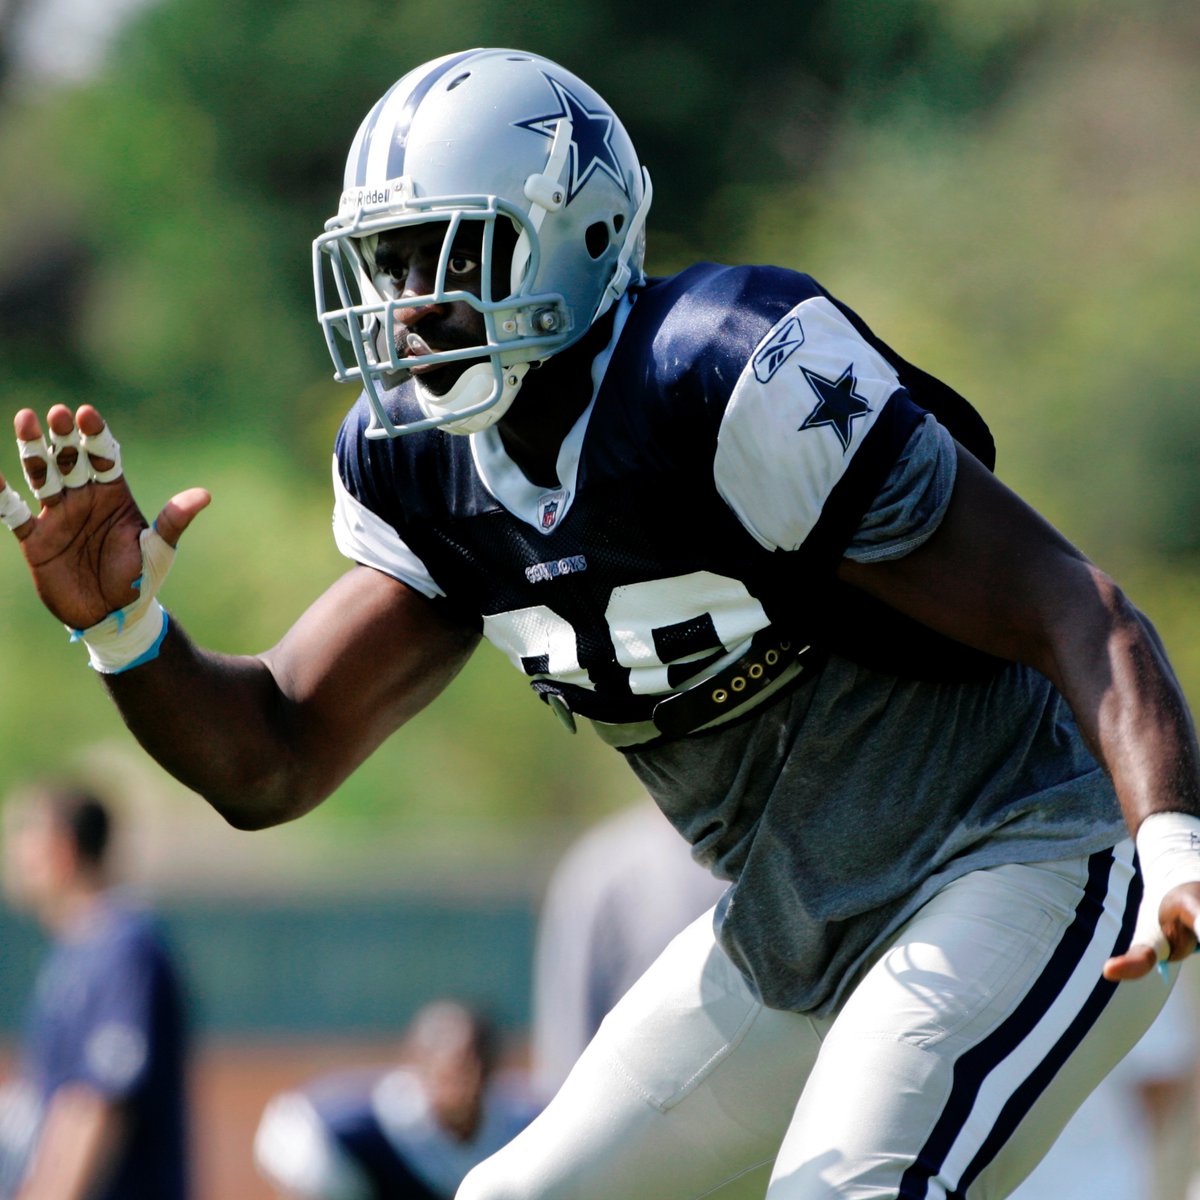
point(368, 539)
point(800, 409)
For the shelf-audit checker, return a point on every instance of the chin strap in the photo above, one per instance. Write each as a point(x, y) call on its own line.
point(546, 194)
point(474, 387)
point(623, 273)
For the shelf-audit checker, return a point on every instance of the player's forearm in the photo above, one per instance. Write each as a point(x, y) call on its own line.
point(1113, 671)
point(998, 577)
point(218, 724)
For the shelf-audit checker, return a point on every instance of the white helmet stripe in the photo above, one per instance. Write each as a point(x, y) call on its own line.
point(379, 141)
point(358, 152)
point(399, 143)
point(385, 154)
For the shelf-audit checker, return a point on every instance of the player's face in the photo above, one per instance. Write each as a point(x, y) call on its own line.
point(408, 259)
point(37, 859)
point(454, 1077)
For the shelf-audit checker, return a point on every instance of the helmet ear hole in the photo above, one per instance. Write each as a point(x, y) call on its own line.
point(596, 238)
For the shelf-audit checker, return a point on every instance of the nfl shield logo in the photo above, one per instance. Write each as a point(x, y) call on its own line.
point(551, 506)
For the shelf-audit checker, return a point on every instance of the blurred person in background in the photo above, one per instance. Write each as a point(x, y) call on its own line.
point(409, 1131)
point(623, 889)
point(718, 519)
point(98, 1108)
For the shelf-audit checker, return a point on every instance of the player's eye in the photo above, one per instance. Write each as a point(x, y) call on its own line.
point(459, 265)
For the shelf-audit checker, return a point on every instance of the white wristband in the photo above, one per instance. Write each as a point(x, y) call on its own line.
point(1168, 845)
point(132, 635)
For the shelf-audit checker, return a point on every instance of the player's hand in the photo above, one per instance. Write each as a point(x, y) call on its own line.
point(82, 547)
point(1179, 916)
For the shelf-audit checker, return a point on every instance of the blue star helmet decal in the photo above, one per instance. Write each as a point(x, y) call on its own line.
point(837, 403)
point(591, 139)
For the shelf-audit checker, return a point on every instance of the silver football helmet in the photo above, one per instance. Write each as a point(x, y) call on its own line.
point(477, 137)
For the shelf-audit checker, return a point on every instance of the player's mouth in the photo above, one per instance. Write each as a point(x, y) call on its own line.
point(415, 346)
point(436, 377)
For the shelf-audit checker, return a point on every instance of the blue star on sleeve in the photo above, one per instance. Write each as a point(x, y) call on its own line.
point(837, 403)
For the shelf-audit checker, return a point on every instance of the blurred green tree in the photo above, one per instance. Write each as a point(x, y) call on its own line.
point(1006, 189)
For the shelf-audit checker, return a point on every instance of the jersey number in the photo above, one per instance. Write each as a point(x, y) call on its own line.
point(658, 629)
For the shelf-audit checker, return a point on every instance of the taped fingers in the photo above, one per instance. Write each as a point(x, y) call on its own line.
point(72, 464)
point(38, 465)
point(102, 447)
point(14, 512)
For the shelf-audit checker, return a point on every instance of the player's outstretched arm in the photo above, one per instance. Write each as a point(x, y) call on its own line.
point(263, 738)
point(266, 738)
point(997, 576)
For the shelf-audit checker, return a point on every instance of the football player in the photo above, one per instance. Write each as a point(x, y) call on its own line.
point(405, 1131)
point(97, 1106)
point(716, 519)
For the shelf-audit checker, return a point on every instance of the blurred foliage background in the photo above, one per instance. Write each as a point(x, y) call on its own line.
point(1007, 190)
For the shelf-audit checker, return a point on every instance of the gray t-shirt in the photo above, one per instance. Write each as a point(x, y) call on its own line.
point(839, 809)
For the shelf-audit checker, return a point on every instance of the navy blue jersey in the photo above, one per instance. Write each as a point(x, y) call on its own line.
point(345, 1105)
point(742, 426)
point(107, 1012)
point(373, 1134)
point(748, 433)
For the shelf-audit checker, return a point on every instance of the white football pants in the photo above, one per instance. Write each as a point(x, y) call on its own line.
point(946, 1074)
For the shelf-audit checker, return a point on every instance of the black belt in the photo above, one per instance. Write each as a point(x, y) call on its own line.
point(729, 690)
